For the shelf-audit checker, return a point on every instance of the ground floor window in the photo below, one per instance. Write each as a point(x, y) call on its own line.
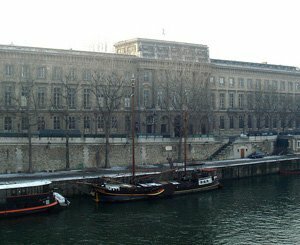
point(56, 122)
point(72, 123)
point(7, 123)
point(86, 122)
point(222, 122)
point(231, 122)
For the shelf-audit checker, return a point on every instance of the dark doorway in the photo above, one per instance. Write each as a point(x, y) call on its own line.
point(203, 129)
point(149, 129)
point(177, 126)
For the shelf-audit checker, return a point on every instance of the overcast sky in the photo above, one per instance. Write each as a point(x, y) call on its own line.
point(244, 30)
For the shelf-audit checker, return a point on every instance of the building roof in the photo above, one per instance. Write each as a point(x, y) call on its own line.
point(165, 42)
point(39, 50)
point(264, 66)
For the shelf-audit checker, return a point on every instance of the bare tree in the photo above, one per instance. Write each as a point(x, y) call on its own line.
point(185, 88)
point(109, 87)
point(28, 110)
point(70, 90)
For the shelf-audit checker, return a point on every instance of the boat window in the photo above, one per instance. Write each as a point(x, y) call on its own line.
point(46, 188)
point(2, 196)
point(8, 192)
point(14, 192)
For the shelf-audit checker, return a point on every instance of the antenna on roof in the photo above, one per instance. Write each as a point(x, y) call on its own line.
point(163, 32)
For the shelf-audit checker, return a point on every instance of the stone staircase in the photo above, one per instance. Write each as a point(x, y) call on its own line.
point(222, 152)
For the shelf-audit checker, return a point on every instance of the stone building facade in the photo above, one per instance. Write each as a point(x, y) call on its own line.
point(222, 97)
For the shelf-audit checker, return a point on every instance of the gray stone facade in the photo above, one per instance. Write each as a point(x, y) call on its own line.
point(222, 97)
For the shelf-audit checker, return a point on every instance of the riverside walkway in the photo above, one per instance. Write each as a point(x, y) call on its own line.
point(140, 169)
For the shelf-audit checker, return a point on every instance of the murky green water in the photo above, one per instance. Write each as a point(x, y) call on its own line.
point(249, 211)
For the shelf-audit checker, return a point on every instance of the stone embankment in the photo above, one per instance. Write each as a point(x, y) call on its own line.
point(67, 181)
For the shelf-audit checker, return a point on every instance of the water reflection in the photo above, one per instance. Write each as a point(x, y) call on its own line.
point(261, 210)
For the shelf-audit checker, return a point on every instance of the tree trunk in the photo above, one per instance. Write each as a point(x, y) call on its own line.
point(67, 152)
point(106, 165)
point(30, 167)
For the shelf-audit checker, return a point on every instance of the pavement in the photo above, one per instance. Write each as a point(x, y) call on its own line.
point(121, 171)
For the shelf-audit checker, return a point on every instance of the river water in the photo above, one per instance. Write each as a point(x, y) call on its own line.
point(262, 210)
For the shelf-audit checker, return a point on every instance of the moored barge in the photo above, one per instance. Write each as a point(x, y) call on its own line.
point(29, 197)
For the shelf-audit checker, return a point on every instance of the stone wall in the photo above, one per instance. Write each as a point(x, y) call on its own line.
point(49, 153)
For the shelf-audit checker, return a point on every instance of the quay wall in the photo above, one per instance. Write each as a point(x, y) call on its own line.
point(71, 188)
point(48, 154)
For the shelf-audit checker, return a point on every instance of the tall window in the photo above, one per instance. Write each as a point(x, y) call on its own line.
point(127, 123)
point(249, 121)
point(56, 122)
point(267, 121)
point(290, 88)
point(241, 121)
point(282, 85)
point(8, 95)
point(127, 102)
point(100, 123)
point(231, 82)
point(72, 74)
point(71, 122)
point(41, 97)
point(250, 83)
point(114, 123)
point(7, 124)
point(222, 101)
point(241, 83)
point(267, 84)
point(241, 101)
point(231, 100)
point(275, 123)
point(24, 95)
point(146, 76)
point(86, 122)
point(222, 81)
point(212, 80)
point(275, 85)
point(40, 123)
point(213, 101)
point(41, 72)
point(222, 122)
point(258, 84)
point(87, 75)
point(100, 98)
point(57, 73)
point(86, 98)
point(231, 122)
point(250, 101)
point(57, 97)
point(146, 98)
point(24, 71)
point(71, 98)
point(9, 71)
point(159, 98)
point(24, 123)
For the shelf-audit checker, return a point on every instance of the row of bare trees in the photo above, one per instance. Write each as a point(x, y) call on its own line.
point(108, 85)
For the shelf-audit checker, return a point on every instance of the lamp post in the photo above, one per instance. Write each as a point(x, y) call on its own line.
point(132, 125)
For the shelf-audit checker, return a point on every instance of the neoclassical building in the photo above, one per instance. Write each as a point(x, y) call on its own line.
point(59, 89)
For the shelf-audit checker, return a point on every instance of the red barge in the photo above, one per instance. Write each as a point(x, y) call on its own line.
point(29, 197)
